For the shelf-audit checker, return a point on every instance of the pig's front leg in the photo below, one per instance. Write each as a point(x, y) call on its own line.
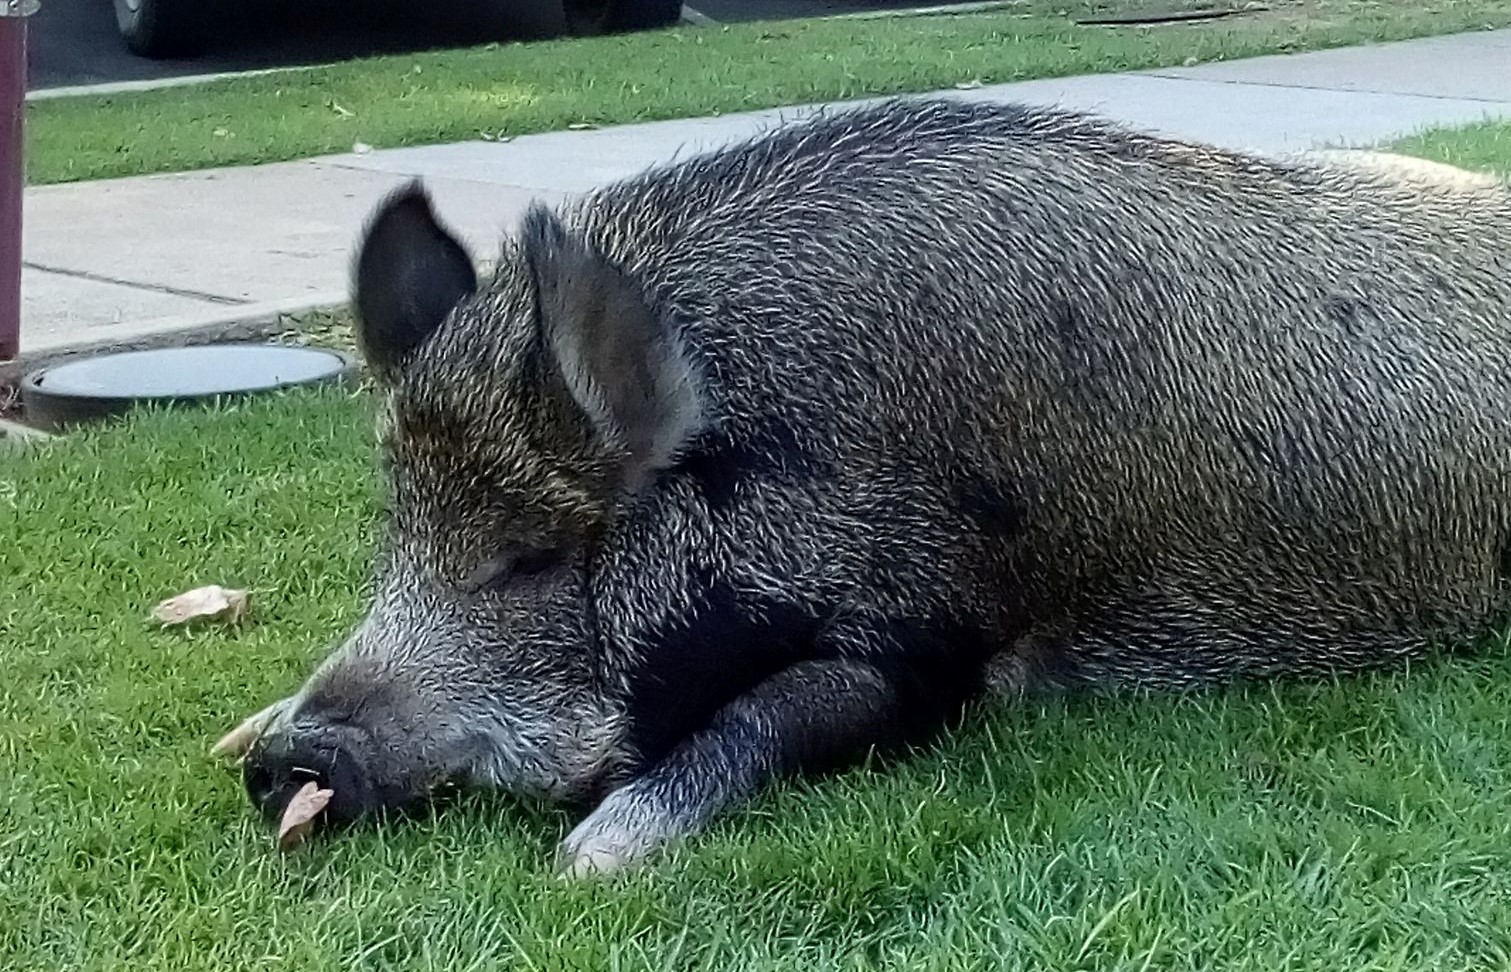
point(813, 715)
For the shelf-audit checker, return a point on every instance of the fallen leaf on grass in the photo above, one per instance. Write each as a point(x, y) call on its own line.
point(299, 816)
point(213, 601)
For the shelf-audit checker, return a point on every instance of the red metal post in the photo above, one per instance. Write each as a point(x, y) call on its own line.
point(13, 14)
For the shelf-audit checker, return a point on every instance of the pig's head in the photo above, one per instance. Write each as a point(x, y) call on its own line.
point(518, 419)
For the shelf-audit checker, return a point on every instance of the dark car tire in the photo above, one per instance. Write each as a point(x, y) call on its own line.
point(641, 14)
point(161, 28)
point(513, 19)
point(587, 17)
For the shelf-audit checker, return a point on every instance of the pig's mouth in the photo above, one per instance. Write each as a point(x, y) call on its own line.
point(344, 765)
point(274, 772)
point(272, 778)
point(338, 774)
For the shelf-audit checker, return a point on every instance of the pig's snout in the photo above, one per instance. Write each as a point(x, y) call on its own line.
point(335, 758)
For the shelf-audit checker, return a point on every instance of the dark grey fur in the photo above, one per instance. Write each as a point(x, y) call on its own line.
point(753, 463)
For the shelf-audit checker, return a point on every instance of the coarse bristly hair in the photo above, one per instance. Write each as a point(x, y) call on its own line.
point(755, 462)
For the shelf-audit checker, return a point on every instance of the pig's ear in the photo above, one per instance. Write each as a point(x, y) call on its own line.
point(620, 361)
point(409, 273)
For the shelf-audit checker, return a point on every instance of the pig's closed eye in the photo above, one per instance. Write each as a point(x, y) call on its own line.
point(500, 571)
point(531, 562)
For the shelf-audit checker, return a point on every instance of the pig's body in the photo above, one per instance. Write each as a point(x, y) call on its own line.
point(846, 422)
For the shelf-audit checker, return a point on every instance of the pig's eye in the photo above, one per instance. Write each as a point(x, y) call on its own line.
point(499, 571)
point(532, 562)
point(490, 573)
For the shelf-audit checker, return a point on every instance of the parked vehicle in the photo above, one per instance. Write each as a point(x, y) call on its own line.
point(182, 28)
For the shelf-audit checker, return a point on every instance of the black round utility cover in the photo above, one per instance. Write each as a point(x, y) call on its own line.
point(100, 386)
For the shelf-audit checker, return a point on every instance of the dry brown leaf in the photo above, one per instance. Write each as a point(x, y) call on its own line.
point(299, 816)
point(213, 601)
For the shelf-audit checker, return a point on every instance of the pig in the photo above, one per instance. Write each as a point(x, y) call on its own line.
point(792, 452)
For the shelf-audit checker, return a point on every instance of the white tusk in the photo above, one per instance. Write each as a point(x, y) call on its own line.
point(239, 741)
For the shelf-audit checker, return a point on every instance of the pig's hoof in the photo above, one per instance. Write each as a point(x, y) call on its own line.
point(623, 830)
point(596, 848)
point(590, 862)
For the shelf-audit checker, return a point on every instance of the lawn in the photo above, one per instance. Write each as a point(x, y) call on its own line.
point(505, 90)
point(1361, 824)
point(1484, 146)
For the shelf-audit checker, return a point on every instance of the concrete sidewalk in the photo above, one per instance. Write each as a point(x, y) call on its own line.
point(121, 260)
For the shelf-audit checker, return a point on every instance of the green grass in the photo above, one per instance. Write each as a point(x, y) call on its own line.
point(506, 90)
point(1484, 146)
point(1358, 825)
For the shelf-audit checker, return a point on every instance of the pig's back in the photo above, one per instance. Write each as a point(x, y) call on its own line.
point(1282, 389)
